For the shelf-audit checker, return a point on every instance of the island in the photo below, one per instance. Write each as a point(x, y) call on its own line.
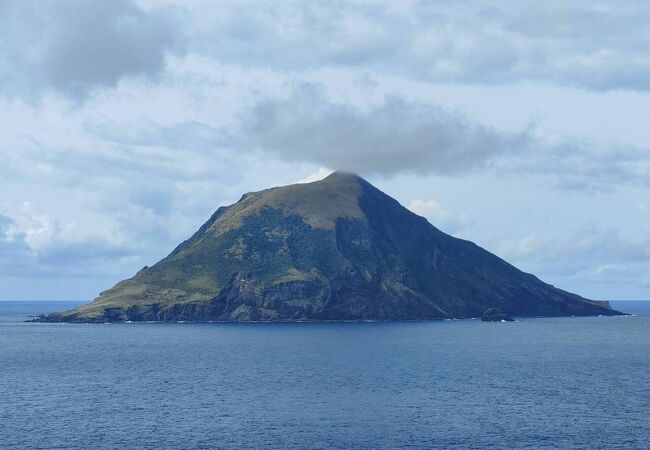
point(337, 249)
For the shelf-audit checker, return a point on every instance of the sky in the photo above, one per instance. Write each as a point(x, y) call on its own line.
point(520, 125)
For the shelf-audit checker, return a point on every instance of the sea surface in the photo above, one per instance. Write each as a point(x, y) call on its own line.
point(580, 383)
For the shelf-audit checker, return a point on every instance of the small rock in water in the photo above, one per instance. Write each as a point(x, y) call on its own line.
point(495, 315)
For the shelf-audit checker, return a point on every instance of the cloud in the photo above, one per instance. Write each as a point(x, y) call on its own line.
point(114, 187)
point(591, 252)
point(438, 215)
point(178, 109)
point(14, 250)
point(395, 136)
point(321, 173)
point(579, 166)
point(75, 46)
point(148, 196)
point(592, 45)
point(39, 247)
point(399, 135)
point(187, 135)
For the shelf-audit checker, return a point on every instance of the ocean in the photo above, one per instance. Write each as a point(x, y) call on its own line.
point(535, 383)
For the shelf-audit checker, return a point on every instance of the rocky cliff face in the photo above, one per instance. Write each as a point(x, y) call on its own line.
point(336, 249)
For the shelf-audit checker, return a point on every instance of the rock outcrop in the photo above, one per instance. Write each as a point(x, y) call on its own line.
point(496, 315)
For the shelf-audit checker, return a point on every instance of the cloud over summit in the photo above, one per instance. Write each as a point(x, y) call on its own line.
point(394, 136)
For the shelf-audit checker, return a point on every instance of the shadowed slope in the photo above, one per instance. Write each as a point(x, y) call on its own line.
point(336, 249)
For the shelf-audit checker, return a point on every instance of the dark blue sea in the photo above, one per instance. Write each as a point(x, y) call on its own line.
point(537, 383)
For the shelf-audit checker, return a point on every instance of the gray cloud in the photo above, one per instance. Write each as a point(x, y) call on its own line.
point(145, 189)
point(580, 167)
point(395, 136)
point(187, 135)
point(403, 136)
point(74, 46)
point(594, 45)
point(590, 254)
point(56, 257)
point(73, 256)
point(15, 254)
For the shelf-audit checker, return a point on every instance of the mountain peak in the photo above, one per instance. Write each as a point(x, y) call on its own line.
point(342, 176)
point(319, 204)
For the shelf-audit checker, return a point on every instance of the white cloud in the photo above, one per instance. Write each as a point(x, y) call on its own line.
point(33, 245)
point(75, 46)
point(437, 215)
point(596, 46)
point(590, 252)
point(37, 228)
point(321, 173)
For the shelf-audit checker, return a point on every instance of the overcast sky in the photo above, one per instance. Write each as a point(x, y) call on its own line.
point(520, 125)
